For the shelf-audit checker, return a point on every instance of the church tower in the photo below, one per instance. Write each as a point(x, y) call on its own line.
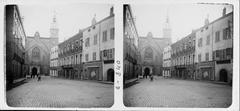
point(167, 31)
point(54, 28)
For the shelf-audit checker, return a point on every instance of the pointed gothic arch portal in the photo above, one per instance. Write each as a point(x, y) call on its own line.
point(146, 71)
point(34, 71)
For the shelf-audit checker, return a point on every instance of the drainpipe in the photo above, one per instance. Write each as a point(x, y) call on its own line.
point(99, 48)
point(213, 68)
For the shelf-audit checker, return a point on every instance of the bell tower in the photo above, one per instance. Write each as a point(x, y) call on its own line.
point(54, 27)
point(167, 31)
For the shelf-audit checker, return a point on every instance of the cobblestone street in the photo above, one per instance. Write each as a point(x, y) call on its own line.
point(177, 93)
point(54, 92)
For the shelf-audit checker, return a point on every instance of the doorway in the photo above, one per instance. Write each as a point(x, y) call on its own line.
point(110, 75)
point(223, 75)
point(34, 71)
point(146, 71)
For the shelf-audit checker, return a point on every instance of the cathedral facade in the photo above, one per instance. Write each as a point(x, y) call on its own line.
point(151, 50)
point(38, 50)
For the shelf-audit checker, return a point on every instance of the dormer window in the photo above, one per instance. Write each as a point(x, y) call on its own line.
point(37, 34)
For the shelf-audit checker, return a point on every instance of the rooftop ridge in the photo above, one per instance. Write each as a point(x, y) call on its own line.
point(145, 37)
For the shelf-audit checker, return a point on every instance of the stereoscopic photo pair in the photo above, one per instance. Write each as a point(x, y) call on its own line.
point(174, 55)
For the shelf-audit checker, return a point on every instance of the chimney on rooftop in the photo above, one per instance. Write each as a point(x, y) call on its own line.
point(206, 22)
point(111, 11)
point(224, 11)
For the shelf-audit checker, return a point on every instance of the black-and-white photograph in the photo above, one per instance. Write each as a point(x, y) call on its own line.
point(59, 55)
point(178, 55)
point(119, 55)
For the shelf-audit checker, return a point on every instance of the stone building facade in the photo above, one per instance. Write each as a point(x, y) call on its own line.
point(70, 57)
point(214, 49)
point(205, 64)
point(183, 54)
point(131, 54)
point(223, 48)
point(54, 62)
point(151, 50)
point(167, 61)
point(98, 49)
point(16, 66)
point(38, 50)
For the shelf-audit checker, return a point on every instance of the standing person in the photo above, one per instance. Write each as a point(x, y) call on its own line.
point(151, 77)
point(32, 75)
point(39, 77)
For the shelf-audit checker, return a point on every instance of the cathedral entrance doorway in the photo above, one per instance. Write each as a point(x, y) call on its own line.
point(34, 71)
point(146, 72)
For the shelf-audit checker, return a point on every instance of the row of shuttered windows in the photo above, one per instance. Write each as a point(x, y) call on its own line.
point(226, 34)
point(74, 59)
point(105, 54)
point(183, 60)
point(104, 37)
point(223, 54)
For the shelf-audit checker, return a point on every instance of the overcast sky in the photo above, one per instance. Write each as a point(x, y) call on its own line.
point(183, 17)
point(149, 18)
point(70, 17)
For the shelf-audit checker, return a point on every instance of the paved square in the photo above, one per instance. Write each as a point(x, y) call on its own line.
point(177, 93)
point(54, 92)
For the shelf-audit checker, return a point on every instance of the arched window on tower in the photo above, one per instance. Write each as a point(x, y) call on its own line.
point(36, 53)
point(148, 53)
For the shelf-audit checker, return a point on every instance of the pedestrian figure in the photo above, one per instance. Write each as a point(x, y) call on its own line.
point(39, 77)
point(151, 77)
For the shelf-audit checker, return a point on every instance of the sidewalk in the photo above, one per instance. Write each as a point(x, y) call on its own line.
point(208, 81)
point(217, 82)
point(130, 82)
point(16, 82)
point(103, 82)
point(106, 82)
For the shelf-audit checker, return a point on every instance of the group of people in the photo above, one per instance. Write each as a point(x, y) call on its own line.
point(150, 76)
point(38, 76)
